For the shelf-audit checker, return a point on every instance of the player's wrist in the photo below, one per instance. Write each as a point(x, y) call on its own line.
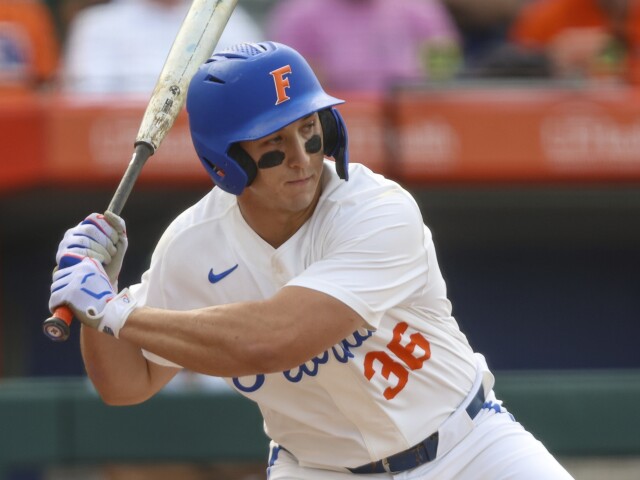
point(116, 313)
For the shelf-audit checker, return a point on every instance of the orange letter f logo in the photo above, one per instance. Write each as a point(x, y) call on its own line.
point(281, 82)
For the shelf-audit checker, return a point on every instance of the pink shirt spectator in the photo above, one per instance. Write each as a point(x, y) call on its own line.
point(364, 45)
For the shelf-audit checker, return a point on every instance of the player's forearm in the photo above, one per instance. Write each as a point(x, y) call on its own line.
point(246, 338)
point(209, 341)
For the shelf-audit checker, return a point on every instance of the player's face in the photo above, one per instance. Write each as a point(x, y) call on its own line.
point(290, 163)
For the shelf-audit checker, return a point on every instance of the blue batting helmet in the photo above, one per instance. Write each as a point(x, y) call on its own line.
point(247, 92)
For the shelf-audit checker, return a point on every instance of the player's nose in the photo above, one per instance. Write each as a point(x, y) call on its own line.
point(298, 154)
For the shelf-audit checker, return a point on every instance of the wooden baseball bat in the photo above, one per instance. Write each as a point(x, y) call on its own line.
point(194, 44)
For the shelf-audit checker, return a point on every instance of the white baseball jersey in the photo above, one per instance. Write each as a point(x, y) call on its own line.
point(379, 391)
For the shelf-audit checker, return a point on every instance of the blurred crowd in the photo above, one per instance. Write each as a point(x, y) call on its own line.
point(119, 46)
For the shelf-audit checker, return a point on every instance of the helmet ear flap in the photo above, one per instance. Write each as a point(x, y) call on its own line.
point(335, 139)
point(232, 172)
point(244, 160)
point(225, 171)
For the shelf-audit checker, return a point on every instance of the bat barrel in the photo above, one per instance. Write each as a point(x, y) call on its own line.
point(193, 45)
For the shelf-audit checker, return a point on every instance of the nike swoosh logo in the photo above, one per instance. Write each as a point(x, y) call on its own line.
point(215, 278)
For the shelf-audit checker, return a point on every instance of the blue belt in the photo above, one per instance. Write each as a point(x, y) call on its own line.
point(419, 454)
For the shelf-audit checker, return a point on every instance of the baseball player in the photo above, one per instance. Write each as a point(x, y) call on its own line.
point(311, 285)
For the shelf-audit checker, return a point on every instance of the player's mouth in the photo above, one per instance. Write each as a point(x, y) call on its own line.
point(300, 182)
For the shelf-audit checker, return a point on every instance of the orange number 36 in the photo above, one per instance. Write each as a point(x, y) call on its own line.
point(405, 353)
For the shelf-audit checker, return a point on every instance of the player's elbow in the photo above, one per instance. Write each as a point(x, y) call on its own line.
point(121, 393)
point(118, 399)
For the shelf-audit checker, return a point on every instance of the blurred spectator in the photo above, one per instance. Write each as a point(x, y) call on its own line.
point(584, 38)
point(66, 10)
point(29, 46)
point(121, 46)
point(483, 25)
point(369, 45)
point(509, 60)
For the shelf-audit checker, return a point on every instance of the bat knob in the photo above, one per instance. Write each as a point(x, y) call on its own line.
point(56, 329)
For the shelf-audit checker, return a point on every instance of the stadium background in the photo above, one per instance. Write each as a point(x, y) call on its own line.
point(532, 191)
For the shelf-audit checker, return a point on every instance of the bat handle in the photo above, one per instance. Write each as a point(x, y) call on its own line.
point(58, 326)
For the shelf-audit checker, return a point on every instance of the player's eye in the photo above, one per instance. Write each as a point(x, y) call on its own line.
point(274, 140)
point(309, 126)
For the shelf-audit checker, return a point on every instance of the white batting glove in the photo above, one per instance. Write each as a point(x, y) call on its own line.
point(85, 288)
point(101, 237)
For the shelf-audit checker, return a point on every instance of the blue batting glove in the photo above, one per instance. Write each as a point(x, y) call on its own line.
point(83, 285)
point(101, 237)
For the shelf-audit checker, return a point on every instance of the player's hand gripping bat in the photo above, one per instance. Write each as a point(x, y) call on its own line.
point(194, 44)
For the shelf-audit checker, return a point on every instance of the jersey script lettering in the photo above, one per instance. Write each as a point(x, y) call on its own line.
point(341, 352)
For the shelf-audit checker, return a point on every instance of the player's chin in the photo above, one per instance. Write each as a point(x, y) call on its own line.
point(300, 196)
point(300, 201)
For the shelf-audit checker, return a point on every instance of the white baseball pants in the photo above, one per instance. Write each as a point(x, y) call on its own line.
point(498, 448)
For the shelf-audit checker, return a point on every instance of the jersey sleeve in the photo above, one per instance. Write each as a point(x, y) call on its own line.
point(149, 291)
point(374, 258)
